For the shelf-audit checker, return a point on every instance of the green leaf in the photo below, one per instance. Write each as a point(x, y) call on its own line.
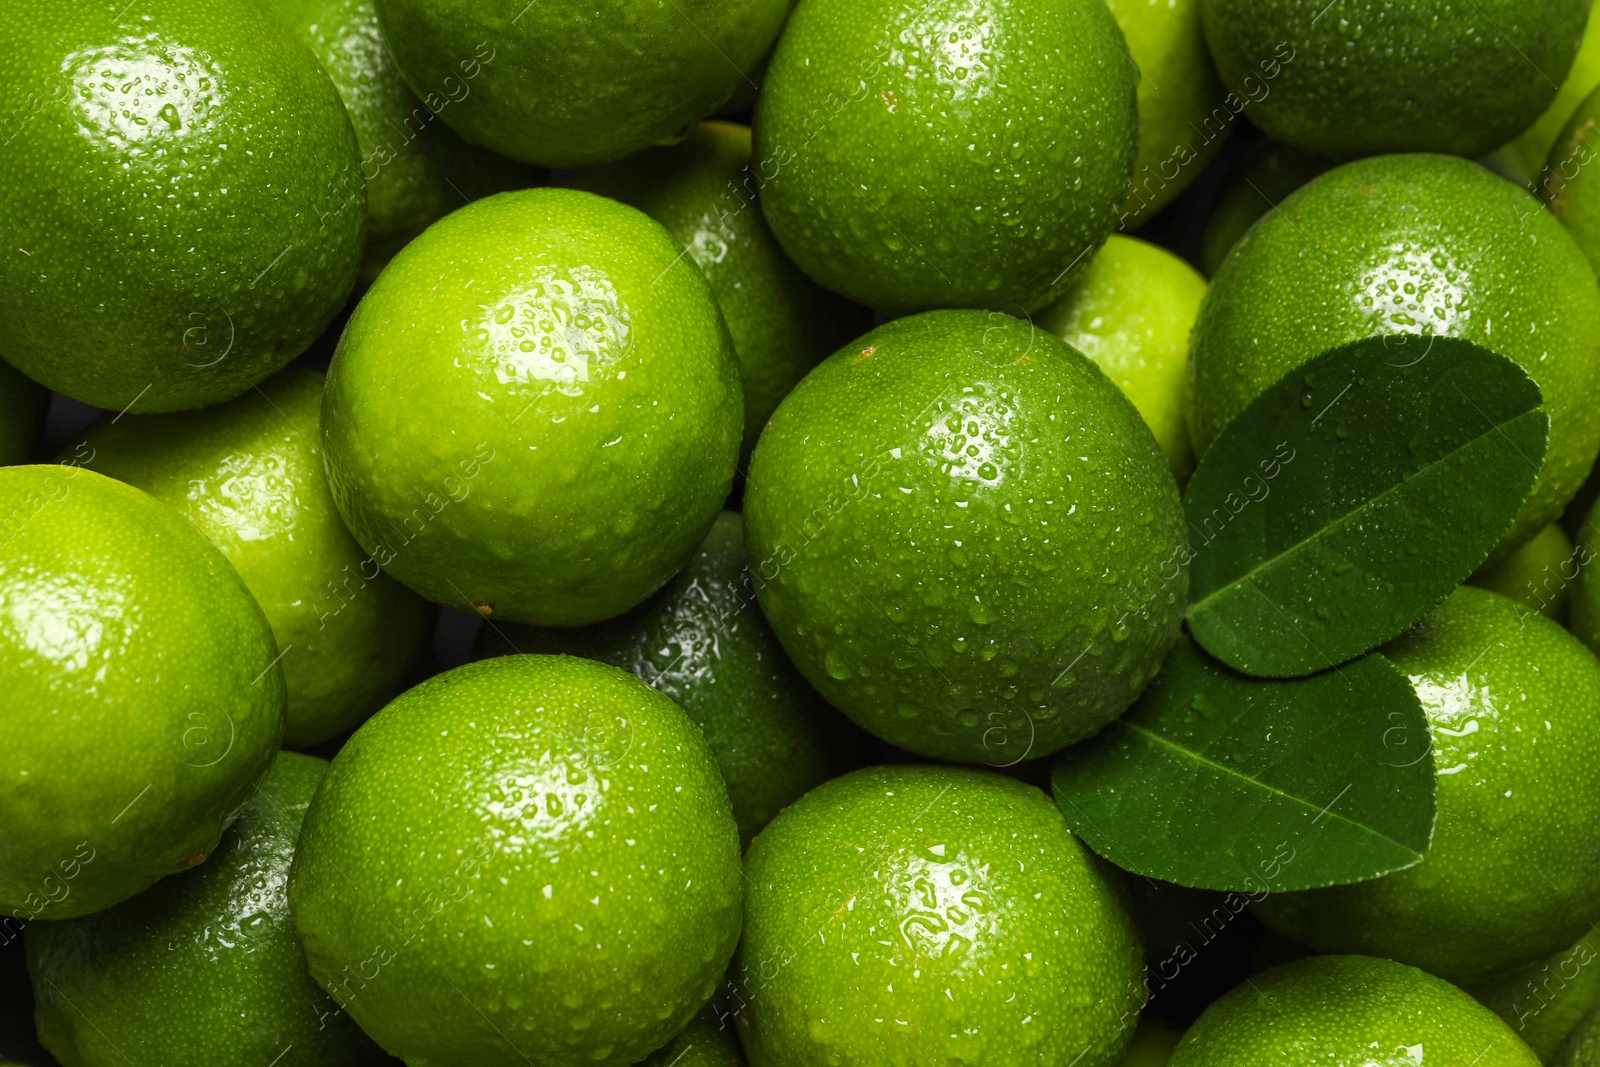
point(1219, 781)
point(1352, 496)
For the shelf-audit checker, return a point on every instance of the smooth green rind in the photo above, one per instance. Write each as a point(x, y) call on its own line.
point(417, 169)
point(1539, 575)
point(967, 538)
point(1545, 1001)
point(703, 641)
point(946, 154)
point(535, 410)
point(1406, 464)
point(1131, 312)
point(625, 75)
point(205, 968)
point(1513, 874)
point(183, 199)
point(525, 860)
point(914, 915)
point(1349, 1011)
point(1404, 246)
point(1261, 179)
point(143, 697)
point(1370, 76)
point(1568, 184)
point(704, 192)
point(1183, 119)
point(1217, 781)
point(708, 1041)
point(23, 404)
point(249, 475)
point(1582, 1048)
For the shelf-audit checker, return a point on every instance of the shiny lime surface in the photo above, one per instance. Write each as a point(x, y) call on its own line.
point(1540, 575)
point(1349, 1011)
point(967, 538)
point(704, 192)
point(543, 839)
point(22, 409)
point(1183, 119)
point(627, 74)
point(1513, 872)
point(201, 970)
point(143, 696)
point(1409, 245)
point(1545, 1001)
point(1374, 76)
point(708, 1041)
point(183, 199)
point(249, 474)
point(417, 169)
point(542, 376)
point(703, 641)
point(933, 915)
point(1131, 312)
point(1256, 184)
point(1568, 184)
point(946, 154)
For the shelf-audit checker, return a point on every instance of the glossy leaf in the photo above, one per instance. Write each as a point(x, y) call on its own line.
point(1352, 496)
point(1220, 781)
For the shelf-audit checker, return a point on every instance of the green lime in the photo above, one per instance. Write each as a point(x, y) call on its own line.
point(540, 378)
point(1513, 872)
point(525, 860)
point(966, 538)
point(708, 1041)
point(184, 200)
point(1408, 245)
point(417, 168)
point(1183, 118)
point(1539, 575)
point(143, 693)
point(1363, 77)
point(564, 87)
point(703, 191)
point(703, 642)
point(1131, 312)
point(249, 474)
point(1529, 151)
point(1255, 185)
point(1545, 1001)
point(206, 968)
point(1568, 178)
point(1582, 1048)
point(22, 410)
point(1349, 1011)
point(1151, 1046)
point(946, 154)
point(1585, 621)
point(911, 915)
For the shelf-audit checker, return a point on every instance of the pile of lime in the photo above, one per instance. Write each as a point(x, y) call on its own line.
point(587, 534)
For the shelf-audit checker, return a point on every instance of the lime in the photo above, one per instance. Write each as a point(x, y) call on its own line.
point(966, 538)
point(1513, 872)
point(1183, 119)
point(22, 410)
point(625, 74)
point(1261, 179)
point(206, 968)
point(1567, 178)
point(184, 200)
point(1539, 575)
point(902, 916)
point(1585, 622)
point(703, 642)
point(417, 168)
point(540, 377)
point(1349, 1011)
point(1374, 76)
point(1131, 312)
point(946, 154)
point(703, 192)
point(1529, 151)
point(143, 693)
point(1151, 1046)
point(1582, 1048)
point(249, 474)
point(524, 860)
point(1545, 1001)
point(706, 1042)
point(1409, 245)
